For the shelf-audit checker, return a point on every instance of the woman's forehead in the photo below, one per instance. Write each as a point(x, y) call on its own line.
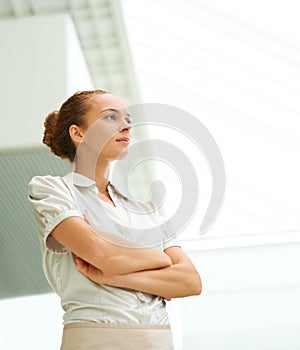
point(105, 101)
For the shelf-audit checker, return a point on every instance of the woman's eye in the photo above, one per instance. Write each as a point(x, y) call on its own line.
point(129, 120)
point(111, 117)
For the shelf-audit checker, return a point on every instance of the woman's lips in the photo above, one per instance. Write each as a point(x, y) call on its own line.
point(123, 140)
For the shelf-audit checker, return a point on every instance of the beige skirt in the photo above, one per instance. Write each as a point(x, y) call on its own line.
point(104, 336)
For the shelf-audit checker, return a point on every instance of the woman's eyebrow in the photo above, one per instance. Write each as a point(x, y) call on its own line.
point(114, 110)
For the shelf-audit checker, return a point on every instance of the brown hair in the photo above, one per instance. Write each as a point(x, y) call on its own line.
point(57, 123)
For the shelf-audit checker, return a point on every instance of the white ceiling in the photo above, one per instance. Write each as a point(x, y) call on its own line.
point(101, 31)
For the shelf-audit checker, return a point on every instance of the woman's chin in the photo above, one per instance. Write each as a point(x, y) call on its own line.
point(122, 155)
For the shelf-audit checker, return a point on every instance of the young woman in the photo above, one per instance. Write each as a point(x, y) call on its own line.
point(112, 290)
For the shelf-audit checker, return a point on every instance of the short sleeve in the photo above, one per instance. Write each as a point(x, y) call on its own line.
point(170, 236)
point(52, 202)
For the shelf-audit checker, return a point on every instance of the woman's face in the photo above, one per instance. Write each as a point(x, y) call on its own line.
point(108, 126)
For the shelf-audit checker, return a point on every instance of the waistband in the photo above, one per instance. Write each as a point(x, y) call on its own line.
point(116, 325)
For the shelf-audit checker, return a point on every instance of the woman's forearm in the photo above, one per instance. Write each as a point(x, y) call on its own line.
point(122, 260)
point(122, 256)
point(170, 282)
point(179, 280)
point(107, 252)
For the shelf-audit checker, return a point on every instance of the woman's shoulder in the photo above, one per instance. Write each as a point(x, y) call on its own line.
point(45, 179)
point(46, 182)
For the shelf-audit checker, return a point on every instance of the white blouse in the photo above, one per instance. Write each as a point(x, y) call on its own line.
point(57, 198)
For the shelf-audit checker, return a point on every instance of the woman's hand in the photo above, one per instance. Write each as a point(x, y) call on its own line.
point(94, 274)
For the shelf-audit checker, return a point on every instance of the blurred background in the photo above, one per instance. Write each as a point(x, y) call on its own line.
point(234, 65)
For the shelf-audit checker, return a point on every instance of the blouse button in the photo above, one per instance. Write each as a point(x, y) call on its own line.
point(141, 296)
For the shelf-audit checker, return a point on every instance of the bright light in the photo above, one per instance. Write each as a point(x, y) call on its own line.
point(235, 67)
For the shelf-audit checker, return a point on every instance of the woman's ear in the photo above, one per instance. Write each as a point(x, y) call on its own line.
point(76, 133)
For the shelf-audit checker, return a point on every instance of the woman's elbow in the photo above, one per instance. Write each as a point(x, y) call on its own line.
point(191, 286)
point(195, 285)
point(198, 290)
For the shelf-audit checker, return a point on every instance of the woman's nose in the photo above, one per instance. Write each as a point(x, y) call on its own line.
point(126, 125)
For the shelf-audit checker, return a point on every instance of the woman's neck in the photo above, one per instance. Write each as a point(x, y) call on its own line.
point(99, 173)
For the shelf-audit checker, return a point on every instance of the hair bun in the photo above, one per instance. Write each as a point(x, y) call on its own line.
point(49, 132)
